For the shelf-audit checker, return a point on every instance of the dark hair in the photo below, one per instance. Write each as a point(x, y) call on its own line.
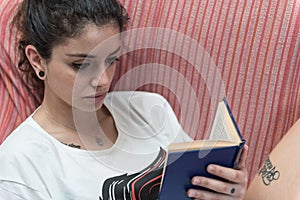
point(46, 23)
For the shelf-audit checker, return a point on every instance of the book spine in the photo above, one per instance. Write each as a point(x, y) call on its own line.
point(232, 117)
point(239, 152)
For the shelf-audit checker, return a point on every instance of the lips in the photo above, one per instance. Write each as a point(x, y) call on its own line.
point(96, 97)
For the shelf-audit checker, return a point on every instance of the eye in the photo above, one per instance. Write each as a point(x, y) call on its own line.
point(79, 66)
point(111, 60)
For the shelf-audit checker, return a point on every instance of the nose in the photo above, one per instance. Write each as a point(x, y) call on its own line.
point(104, 78)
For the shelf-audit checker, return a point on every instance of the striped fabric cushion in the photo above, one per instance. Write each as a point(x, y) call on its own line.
point(255, 46)
point(16, 99)
point(179, 48)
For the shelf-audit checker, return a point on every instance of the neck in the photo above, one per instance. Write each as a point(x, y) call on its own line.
point(62, 115)
point(78, 122)
point(73, 118)
point(65, 119)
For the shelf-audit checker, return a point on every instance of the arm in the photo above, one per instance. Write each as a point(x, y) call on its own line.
point(234, 189)
point(280, 172)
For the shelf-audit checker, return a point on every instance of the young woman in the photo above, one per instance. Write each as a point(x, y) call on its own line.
point(83, 142)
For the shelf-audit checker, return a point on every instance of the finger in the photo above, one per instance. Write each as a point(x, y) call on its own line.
point(204, 195)
point(225, 188)
point(230, 174)
point(243, 158)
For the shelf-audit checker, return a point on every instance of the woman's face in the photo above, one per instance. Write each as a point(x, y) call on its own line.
point(81, 69)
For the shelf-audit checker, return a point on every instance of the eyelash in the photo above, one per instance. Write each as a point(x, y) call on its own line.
point(79, 66)
point(108, 62)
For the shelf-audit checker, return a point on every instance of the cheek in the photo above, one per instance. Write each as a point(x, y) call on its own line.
point(65, 84)
point(112, 70)
point(66, 78)
point(61, 82)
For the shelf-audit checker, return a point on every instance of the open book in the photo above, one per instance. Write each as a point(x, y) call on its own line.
point(188, 159)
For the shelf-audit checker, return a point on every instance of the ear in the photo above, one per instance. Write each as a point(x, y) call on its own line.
point(36, 61)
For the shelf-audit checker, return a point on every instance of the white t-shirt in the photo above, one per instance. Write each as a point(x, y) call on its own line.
point(35, 166)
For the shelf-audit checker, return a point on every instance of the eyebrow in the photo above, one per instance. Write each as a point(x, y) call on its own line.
point(83, 55)
point(116, 51)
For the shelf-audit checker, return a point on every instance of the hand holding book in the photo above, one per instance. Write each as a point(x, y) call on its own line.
point(208, 169)
point(234, 189)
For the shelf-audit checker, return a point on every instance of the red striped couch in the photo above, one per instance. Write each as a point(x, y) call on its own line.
point(254, 45)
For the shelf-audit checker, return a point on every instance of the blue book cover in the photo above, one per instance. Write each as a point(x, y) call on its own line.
point(189, 159)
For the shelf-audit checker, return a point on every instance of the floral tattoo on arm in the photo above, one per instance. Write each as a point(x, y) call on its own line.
point(268, 172)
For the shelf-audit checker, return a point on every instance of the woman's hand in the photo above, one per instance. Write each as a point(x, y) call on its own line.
point(234, 189)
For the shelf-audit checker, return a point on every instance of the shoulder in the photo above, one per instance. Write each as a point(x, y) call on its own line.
point(25, 155)
point(144, 106)
point(24, 161)
point(136, 97)
point(138, 103)
point(26, 141)
point(148, 114)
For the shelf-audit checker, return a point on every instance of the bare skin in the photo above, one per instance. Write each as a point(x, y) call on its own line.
point(278, 177)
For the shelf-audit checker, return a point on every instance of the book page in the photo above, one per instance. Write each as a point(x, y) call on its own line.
point(220, 129)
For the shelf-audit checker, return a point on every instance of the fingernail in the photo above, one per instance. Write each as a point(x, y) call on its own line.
point(191, 193)
point(211, 168)
point(196, 181)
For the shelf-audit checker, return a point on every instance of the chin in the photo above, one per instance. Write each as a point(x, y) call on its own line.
point(91, 107)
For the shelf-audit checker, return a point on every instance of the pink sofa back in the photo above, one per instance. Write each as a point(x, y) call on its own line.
point(253, 44)
point(16, 99)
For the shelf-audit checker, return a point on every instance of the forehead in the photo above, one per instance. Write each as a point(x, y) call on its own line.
point(92, 40)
